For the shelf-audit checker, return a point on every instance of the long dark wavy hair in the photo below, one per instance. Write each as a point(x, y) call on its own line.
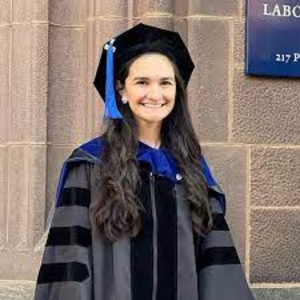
point(116, 180)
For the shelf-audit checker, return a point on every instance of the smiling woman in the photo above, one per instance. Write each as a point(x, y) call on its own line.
point(139, 215)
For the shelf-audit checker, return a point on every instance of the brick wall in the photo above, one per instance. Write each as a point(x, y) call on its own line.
point(249, 127)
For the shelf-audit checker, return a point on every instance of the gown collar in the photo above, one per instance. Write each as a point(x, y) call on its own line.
point(160, 161)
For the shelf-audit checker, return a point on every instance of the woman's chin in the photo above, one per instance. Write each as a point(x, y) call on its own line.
point(151, 119)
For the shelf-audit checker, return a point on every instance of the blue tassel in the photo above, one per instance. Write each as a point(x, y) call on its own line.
point(111, 109)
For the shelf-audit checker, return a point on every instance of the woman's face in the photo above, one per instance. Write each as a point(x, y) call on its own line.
point(150, 88)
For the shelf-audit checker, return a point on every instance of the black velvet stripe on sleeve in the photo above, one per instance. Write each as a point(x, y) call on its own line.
point(218, 256)
point(219, 223)
point(64, 236)
point(142, 251)
point(166, 240)
point(75, 196)
point(62, 272)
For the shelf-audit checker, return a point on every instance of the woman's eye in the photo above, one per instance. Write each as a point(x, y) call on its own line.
point(166, 83)
point(141, 82)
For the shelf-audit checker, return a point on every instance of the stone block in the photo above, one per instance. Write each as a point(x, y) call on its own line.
point(18, 208)
point(16, 290)
point(19, 265)
point(275, 243)
point(239, 43)
point(67, 12)
point(39, 83)
point(227, 8)
point(20, 107)
point(22, 11)
point(3, 197)
point(37, 161)
point(26, 196)
point(109, 8)
point(67, 85)
point(29, 83)
point(276, 293)
point(40, 10)
point(92, 61)
point(228, 166)
point(5, 46)
point(243, 8)
point(275, 177)
point(153, 7)
point(181, 8)
point(94, 115)
point(266, 110)
point(165, 22)
point(92, 10)
point(208, 42)
point(5, 12)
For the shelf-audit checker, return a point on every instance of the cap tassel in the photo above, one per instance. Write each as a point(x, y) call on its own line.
point(111, 110)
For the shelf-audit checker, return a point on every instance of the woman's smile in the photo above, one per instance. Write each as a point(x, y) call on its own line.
point(153, 105)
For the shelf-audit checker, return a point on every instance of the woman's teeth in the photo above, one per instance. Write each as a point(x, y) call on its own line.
point(152, 105)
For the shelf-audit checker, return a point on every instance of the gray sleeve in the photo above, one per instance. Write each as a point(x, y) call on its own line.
point(220, 274)
point(66, 268)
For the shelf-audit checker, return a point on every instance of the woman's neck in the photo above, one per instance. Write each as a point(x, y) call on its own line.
point(150, 134)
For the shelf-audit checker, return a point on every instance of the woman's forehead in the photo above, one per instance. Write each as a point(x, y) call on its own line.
point(152, 64)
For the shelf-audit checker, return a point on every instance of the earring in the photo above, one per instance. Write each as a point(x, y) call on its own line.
point(124, 100)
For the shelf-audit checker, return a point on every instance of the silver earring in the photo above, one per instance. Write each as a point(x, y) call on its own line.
point(124, 100)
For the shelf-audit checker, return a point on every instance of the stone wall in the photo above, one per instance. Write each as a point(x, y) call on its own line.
point(249, 127)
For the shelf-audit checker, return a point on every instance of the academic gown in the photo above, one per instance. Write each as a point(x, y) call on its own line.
point(165, 261)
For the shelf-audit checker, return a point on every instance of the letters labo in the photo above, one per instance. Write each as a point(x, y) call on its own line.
point(283, 10)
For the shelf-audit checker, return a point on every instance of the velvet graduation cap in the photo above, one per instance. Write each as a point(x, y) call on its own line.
point(138, 40)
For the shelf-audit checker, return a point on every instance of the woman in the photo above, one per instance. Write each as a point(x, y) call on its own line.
point(138, 214)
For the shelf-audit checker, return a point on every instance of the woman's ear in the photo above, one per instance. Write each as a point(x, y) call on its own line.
point(119, 88)
point(121, 91)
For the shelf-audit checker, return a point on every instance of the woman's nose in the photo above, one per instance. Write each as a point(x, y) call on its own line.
point(154, 92)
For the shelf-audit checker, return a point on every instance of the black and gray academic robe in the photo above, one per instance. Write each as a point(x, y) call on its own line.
point(166, 261)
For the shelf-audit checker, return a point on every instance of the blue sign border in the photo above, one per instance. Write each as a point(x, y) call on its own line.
point(273, 38)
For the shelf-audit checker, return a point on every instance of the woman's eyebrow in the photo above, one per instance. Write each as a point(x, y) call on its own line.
point(147, 78)
point(167, 78)
point(140, 78)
